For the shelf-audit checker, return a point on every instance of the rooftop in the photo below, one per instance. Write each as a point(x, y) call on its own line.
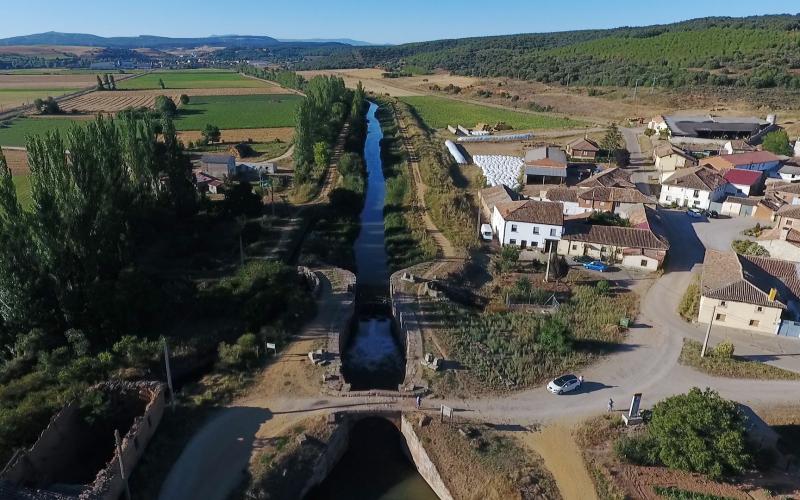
point(743, 177)
point(789, 211)
point(751, 202)
point(548, 156)
point(629, 237)
point(564, 195)
point(749, 279)
point(613, 177)
point(538, 212)
point(584, 144)
point(669, 149)
point(497, 195)
point(616, 195)
point(741, 159)
point(701, 178)
point(223, 159)
point(700, 125)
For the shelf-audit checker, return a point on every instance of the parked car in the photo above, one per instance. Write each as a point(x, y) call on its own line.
point(711, 214)
point(695, 212)
point(486, 232)
point(596, 265)
point(564, 383)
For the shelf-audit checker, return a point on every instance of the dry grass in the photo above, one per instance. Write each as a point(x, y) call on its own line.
point(734, 367)
point(54, 81)
point(285, 134)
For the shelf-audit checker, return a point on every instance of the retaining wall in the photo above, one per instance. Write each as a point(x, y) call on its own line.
point(425, 466)
point(409, 332)
point(343, 289)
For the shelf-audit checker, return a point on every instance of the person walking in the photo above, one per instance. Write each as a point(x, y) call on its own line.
point(610, 404)
point(580, 381)
point(419, 402)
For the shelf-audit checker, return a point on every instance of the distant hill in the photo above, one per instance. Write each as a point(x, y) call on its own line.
point(345, 41)
point(758, 52)
point(142, 41)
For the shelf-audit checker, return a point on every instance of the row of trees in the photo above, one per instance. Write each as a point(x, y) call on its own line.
point(282, 77)
point(106, 82)
point(320, 117)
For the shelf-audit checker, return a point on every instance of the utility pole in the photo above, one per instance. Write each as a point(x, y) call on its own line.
point(121, 465)
point(708, 332)
point(549, 259)
point(479, 223)
point(169, 375)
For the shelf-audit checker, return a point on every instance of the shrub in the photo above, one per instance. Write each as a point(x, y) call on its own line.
point(747, 247)
point(689, 307)
point(509, 256)
point(724, 350)
point(603, 287)
point(640, 449)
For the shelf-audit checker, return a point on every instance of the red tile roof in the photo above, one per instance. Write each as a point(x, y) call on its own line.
point(742, 177)
point(541, 212)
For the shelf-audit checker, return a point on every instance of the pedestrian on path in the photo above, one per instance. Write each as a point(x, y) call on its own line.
point(610, 404)
point(419, 402)
point(580, 381)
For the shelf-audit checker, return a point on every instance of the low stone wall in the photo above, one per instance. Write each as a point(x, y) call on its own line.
point(407, 324)
point(343, 290)
point(335, 448)
point(312, 279)
point(425, 466)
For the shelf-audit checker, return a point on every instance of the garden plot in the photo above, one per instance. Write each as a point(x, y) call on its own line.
point(500, 169)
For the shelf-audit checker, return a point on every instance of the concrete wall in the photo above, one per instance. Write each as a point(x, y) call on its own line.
point(424, 464)
point(407, 327)
point(739, 314)
point(581, 249)
point(334, 450)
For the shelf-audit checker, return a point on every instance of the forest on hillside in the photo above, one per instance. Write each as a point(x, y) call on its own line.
point(753, 52)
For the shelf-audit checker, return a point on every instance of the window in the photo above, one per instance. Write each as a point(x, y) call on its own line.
point(720, 317)
point(512, 242)
point(722, 303)
point(513, 228)
point(553, 232)
point(574, 247)
point(696, 203)
point(643, 263)
point(788, 222)
point(754, 322)
point(696, 193)
point(535, 229)
point(669, 198)
point(534, 244)
point(759, 309)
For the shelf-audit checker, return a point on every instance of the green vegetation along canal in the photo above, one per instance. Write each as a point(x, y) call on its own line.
point(375, 465)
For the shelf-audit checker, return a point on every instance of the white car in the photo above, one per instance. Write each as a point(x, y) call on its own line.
point(486, 232)
point(563, 384)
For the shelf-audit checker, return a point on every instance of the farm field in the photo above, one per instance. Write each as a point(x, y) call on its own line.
point(22, 184)
point(192, 80)
point(237, 112)
point(111, 102)
point(438, 112)
point(20, 128)
point(30, 81)
point(234, 136)
point(11, 98)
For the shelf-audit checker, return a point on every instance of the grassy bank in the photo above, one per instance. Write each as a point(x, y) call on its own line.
point(732, 367)
point(439, 112)
point(407, 242)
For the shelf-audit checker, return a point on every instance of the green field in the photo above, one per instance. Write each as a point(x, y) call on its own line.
point(20, 128)
point(23, 185)
point(192, 80)
point(10, 98)
point(239, 111)
point(438, 112)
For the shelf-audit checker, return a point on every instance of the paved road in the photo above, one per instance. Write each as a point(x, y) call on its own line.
point(632, 145)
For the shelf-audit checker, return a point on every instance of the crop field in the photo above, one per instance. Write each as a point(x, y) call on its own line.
point(20, 128)
point(22, 184)
point(192, 80)
point(27, 81)
point(11, 98)
point(254, 135)
point(438, 112)
point(111, 102)
point(238, 112)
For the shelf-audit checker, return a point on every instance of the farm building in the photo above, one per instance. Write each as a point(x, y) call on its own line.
point(756, 160)
point(712, 127)
point(528, 224)
point(744, 182)
point(495, 195)
point(583, 149)
point(207, 183)
point(642, 247)
point(545, 165)
point(748, 292)
point(786, 193)
point(219, 166)
point(737, 206)
point(693, 187)
point(669, 158)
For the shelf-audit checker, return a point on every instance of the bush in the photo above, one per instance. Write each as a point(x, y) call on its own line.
point(507, 261)
point(724, 350)
point(689, 308)
point(603, 287)
point(747, 247)
point(639, 449)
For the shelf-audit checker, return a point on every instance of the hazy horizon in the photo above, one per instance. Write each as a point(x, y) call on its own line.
point(412, 21)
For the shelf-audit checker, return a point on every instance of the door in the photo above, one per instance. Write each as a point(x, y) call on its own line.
point(523, 244)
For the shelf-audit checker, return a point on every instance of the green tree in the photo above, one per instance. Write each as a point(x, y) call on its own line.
point(612, 141)
point(508, 258)
point(184, 99)
point(700, 432)
point(112, 82)
point(211, 133)
point(106, 82)
point(554, 336)
point(165, 106)
point(321, 156)
point(100, 85)
point(161, 84)
point(778, 143)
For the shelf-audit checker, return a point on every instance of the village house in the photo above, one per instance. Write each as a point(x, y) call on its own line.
point(790, 171)
point(612, 177)
point(219, 166)
point(618, 200)
point(568, 197)
point(643, 246)
point(747, 292)
point(583, 149)
point(744, 182)
point(693, 187)
point(756, 160)
point(737, 146)
point(669, 158)
point(528, 224)
point(786, 193)
point(545, 165)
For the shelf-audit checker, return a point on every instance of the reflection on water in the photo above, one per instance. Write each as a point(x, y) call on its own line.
point(373, 360)
point(374, 467)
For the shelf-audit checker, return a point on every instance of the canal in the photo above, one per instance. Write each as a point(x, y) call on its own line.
point(376, 465)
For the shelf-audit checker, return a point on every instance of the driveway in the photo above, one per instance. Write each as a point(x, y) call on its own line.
point(632, 145)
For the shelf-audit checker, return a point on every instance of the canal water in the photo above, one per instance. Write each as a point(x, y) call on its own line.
point(375, 466)
point(373, 358)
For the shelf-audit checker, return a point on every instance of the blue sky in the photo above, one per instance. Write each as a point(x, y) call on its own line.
point(375, 21)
